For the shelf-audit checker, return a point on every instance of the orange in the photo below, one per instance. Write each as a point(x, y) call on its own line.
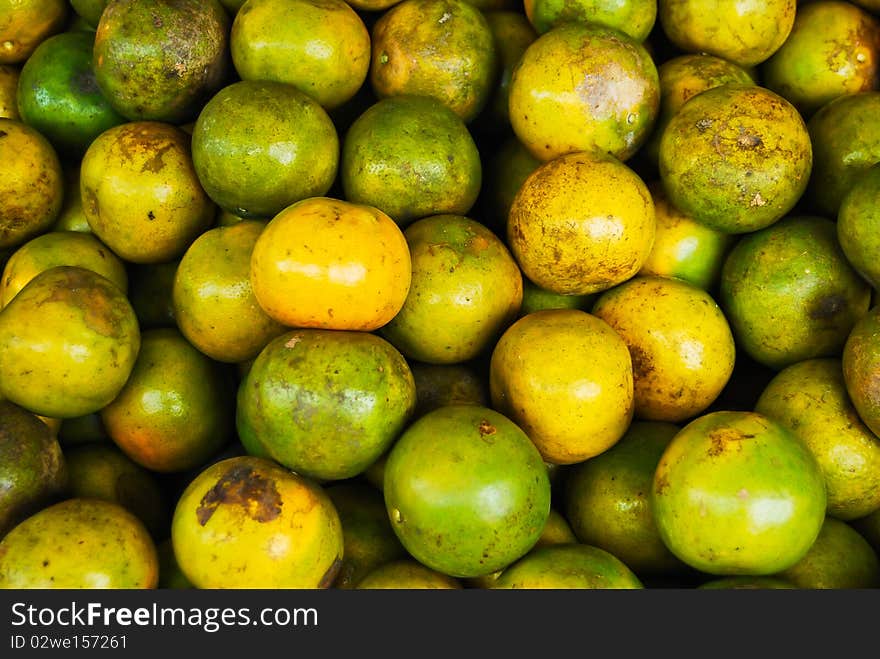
point(214, 304)
point(175, 411)
point(321, 47)
point(581, 223)
point(632, 17)
point(746, 33)
point(140, 192)
point(331, 264)
point(410, 157)
point(406, 58)
point(24, 24)
point(584, 87)
point(32, 185)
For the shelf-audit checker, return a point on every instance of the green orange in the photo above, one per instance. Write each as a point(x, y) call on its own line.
point(573, 566)
point(472, 502)
point(410, 157)
point(858, 221)
point(736, 493)
point(175, 411)
point(634, 18)
point(466, 289)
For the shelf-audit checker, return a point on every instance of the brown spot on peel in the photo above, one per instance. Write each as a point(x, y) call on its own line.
point(242, 486)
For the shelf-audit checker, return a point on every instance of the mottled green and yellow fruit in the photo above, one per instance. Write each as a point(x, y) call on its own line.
point(858, 225)
point(683, 248)
point(176, 408)
point(681, 345)
point(68, 343)
point(25, 24)
point(634, 18)
point(584, 87)
point(33, 470)
point(840, 558)
point(321, 47)
point(260, 146)
point(466, 290)
point(607, 499)
point(810, 399)
point(736, 158)
point(59, 248)
point(406, 59)
point(79, 544)
point(736, 493)
point(32, 186)
point(779, 323)
point(574, 566)
point(160, 60)
point(407, 575)
point(325, 403)
point(746, 33)
point(846, 142)
point(566, 378)
point(833, 50)
point(214, 304)
point(410, 157)
point(368, 539)
point(141, 194)
point(581, 223)
point(246, 522)
point(435, 491)
point(861, 361)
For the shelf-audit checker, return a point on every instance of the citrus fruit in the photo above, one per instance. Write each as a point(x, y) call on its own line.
point(259, 146)
point(102, 471)
point(536, 298)
point(736, 158)
point(839, 559)
point(32, 186)
point(810, 399)
point(466, 490)
point(160, 60)
point(682, 77)
point(79, 544)
point(331, 264)
point(584, 87)
point(33, 469)
point(406, 59)
point(789, 292)
point(438, 385)
point(410, 157)
point(9, 76)
point(575, 566)
point(325, 403)
point(406, 575)
point(245, 522)
point(746, 33)
point(634, 18)
point(466, 289)
point(59, 248)
point(89, 10)
point(581, 223)
point(59, 96)
point(607, 499)
point(68, 342)
point(858, 221)
point(735, 493)
point(513, 34)
point(683, 248)
point(140, 192)
point(25, 24)
point(368, 539)
point(566, 378)
point(833, 50)
point(176, 409)
point(214, 304)
point(861, 359)
point(845, 143)
point(321, 47)
point(681, 345)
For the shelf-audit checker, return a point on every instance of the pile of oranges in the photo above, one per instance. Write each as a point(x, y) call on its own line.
point(439, 294)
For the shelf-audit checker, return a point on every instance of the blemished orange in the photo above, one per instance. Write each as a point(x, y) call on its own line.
point(330, 264)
